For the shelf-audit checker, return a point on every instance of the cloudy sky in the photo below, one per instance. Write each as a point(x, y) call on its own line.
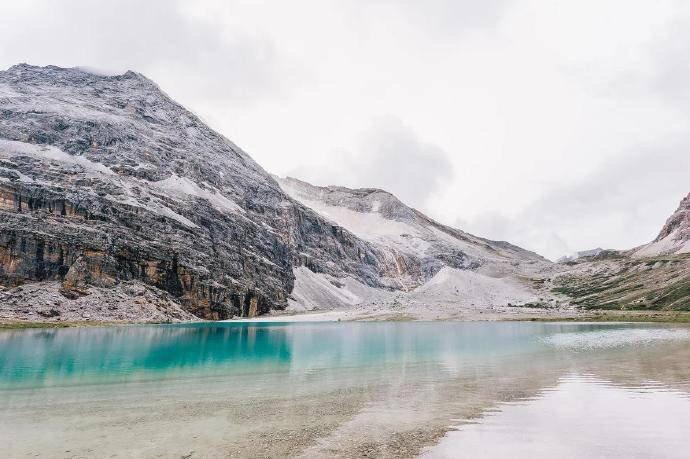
point(556, 125)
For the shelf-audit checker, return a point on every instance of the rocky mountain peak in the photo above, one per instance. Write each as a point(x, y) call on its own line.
point(674, 237)
point(70, 76)
point(356, 199)
point(381, 218)
point(679, 222)
point(105, 180)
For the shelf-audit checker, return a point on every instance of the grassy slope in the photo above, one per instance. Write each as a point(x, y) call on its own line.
point(617, 282)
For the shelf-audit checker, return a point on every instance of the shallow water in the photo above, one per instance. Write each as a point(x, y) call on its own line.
point(581, 416)
point(440, 389)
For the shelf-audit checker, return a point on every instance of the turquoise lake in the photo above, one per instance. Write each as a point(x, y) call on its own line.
point(436, 389)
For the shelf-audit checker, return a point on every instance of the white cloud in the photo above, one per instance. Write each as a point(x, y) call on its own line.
point(512, 102)
point(196, 58)
point(620, 206)
point(389, 156)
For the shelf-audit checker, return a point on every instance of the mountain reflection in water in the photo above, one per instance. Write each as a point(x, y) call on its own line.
point(385, 389)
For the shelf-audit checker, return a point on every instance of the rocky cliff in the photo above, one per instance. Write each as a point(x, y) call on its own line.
point(104, 180)
point(117, 203)
point(674, 237)
point(436, 266)
point(380, 218)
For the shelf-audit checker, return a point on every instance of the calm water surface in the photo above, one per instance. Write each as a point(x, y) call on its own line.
point(438, 389)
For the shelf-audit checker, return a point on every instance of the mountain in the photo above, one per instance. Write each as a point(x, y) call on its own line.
point(108, 187)
point(655, 276)
point(674, 237)
point(117, 203)
point(580, 254)
point(437, 266)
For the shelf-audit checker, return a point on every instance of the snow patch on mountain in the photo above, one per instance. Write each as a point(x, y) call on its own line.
point(16, 148)
point(372, 227)
point(97, 71)
point(6, 91)
point(182, 185)
point(169, 213)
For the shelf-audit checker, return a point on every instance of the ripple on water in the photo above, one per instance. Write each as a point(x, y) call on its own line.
point(602, 339)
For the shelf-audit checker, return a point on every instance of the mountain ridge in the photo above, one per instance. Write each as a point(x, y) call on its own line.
point(106, 182)
point(651, 277)
point(409, 210)
point(117, 203)
point(447, 271)
point(105, 179)
point(674, 237)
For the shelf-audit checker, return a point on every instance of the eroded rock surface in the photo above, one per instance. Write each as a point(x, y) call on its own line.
point(436, 266)
point(105, 180)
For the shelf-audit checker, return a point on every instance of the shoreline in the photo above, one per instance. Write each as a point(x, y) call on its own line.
point(13, 324)
point(386, 316)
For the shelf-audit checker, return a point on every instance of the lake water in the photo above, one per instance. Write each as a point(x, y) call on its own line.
point(435, 389)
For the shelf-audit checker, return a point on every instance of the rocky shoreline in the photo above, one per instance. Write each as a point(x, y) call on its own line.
point(17, 321)
point(127, 302)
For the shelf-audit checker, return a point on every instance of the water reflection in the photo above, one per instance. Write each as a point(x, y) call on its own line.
point(582, 416)
point(73, 356)
point(322, 389)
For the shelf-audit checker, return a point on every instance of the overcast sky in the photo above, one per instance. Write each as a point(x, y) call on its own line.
point(556, 125)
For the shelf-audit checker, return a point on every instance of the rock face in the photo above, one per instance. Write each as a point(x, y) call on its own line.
point(678, 223)
point(434, 263)
point(107, 186)
point(674, 237)
point(420, 245)
point(105, 180)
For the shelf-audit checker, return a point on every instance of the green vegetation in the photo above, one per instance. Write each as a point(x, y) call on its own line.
point(622, 316)
point(652, 284)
